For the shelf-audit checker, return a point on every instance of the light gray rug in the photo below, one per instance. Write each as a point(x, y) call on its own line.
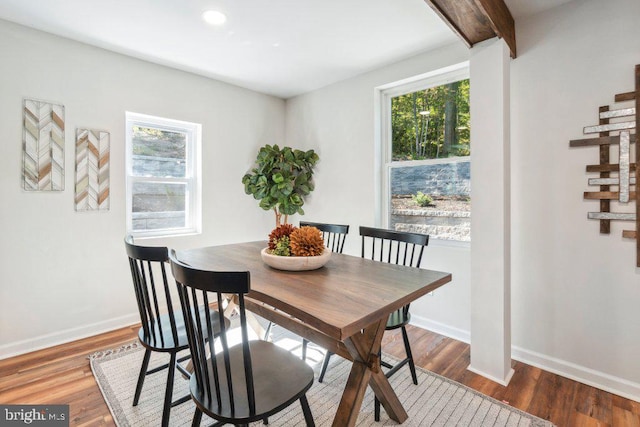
point(436, 401)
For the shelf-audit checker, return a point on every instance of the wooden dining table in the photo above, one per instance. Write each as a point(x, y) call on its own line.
point(342, 307)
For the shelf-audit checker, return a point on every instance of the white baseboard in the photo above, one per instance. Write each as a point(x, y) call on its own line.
point(441, 328)
point(597, 379)
point(62, 337)
point(600, 380)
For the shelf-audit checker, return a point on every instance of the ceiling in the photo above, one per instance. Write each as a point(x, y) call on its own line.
point(279, 47)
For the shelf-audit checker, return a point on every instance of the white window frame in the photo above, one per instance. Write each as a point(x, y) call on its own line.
point(383, 137)
point(192, 179)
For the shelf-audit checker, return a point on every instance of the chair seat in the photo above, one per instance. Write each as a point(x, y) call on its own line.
point(398, 319)
point(164, 341)
point(280, 378)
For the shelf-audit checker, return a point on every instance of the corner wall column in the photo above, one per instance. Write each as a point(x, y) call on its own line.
point(490, 219)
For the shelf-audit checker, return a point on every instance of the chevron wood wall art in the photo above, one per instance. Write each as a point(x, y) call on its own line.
point(92, 170)
point(43, 146)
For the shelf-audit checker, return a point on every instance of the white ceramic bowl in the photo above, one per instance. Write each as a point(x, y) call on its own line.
point(295, 263)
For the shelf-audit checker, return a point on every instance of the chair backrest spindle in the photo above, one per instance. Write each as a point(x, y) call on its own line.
point(246, 356)
point(155, 309)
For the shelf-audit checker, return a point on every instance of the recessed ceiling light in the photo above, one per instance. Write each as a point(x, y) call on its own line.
point(213, 17)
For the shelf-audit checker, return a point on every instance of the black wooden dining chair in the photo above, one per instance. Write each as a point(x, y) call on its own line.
point(402, 248)
point(247, 382)
point(394, 247)
point(334, 236)
point(162, 330)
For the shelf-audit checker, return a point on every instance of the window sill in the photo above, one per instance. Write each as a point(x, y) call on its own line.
point(434, 241)
point(158, 234)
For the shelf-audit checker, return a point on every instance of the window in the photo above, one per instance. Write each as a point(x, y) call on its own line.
point(163, 178)
point(425, 155)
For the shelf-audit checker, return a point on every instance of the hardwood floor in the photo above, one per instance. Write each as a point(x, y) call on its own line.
point(62, 375)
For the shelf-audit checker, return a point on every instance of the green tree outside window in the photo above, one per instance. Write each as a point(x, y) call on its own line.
point(431, 124)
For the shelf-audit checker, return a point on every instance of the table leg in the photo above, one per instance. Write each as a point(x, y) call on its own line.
point(365, 348)
point(387, 397)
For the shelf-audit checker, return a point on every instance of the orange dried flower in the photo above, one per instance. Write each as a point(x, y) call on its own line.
point(306, 241)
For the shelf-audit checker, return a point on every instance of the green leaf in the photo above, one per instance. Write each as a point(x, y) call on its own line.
point(277, 178)
point(301, 179)
point(266, 204)
point(288, 155)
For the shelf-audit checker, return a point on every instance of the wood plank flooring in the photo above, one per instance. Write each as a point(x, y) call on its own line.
point(62, 375)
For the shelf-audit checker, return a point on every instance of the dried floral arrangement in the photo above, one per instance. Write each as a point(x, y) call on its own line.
point(288, 240)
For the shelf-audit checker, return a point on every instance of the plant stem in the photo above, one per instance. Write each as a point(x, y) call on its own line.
point(278, 216)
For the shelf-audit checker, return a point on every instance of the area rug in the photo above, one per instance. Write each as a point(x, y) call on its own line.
point(436, 401)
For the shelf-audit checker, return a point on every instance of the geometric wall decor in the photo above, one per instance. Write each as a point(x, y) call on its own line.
point(92, 170)
point(617, 131)
point(43, 146)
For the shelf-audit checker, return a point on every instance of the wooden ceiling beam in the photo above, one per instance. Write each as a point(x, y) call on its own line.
point(501, 21)
point(477, 20)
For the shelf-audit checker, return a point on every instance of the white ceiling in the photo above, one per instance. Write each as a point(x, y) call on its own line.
point(279, 47)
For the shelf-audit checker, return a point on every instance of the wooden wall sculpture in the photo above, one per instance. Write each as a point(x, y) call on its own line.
point(43, 146)
point(625, 174)
point(92, 170)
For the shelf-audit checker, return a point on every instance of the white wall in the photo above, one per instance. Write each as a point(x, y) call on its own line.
point(575, 294)
point(65, 274)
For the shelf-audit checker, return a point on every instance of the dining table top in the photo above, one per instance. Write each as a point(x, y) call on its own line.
point(339, 299)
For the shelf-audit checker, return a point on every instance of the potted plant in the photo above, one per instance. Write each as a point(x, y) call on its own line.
point(281, 179)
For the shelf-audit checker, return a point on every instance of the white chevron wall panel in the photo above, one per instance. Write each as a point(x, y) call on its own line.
point(92, 170)
point(43, 146)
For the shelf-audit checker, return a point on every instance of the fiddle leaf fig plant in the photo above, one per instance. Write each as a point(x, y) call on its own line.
point(281, 179)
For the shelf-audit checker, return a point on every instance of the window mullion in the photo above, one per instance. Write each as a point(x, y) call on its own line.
point(160, 179)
